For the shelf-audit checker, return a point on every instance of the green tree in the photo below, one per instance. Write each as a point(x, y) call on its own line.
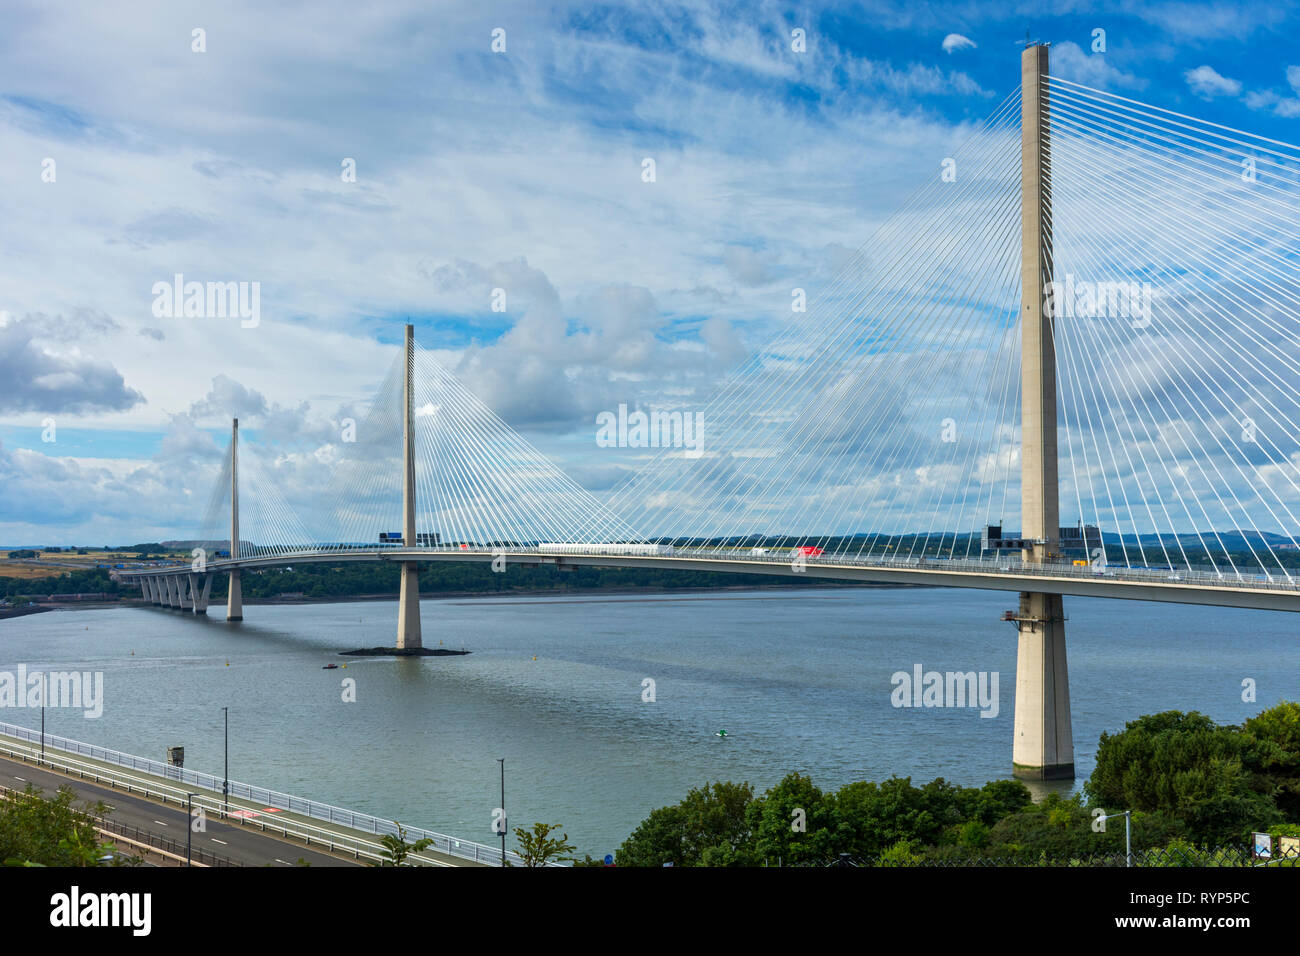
point(901, 853)
point(40, 832)
point(793, 823)
point(1188, 767)
point(1275, 755)
point(538, 848)
point(396, 849)
point(711, 818)
point(873, 817)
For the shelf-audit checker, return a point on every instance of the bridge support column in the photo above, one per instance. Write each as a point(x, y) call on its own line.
point(408, 610)
point(234, 592)
point(200, 585)
point(170, 583)
point(183, 593)
point(234, 598)
point(154, 595)
point(144, 589)
point(1043, 747)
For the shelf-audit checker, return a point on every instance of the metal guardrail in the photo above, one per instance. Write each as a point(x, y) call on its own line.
point(364, 822)
point(157, 841)
point(331, 840)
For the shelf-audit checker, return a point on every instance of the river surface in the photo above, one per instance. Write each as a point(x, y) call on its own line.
point(800, 680)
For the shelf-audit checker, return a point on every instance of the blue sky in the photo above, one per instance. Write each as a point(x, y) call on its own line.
point(479, 170)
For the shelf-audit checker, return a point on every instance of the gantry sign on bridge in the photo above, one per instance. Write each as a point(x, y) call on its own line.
point(1092, 313)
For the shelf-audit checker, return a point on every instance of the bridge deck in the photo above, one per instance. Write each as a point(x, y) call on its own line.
point(1224, 589)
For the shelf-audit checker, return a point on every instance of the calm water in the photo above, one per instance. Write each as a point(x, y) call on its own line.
point(800, 680)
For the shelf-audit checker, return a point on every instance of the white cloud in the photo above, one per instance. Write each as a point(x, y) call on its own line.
point(1207, 83)
point(42, 371)
point(955, 41)
point(1286, 106)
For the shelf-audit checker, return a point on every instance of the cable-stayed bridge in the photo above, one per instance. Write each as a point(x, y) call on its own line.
point(1067, 366)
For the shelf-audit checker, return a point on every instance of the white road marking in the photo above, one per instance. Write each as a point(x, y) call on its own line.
point(160, 823)
point(222, 842)
point(23, 779)
point(280, 861)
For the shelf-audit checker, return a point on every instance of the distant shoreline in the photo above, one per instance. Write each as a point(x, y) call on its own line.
point(566, 592)
point(22, 610)
point(463, 595)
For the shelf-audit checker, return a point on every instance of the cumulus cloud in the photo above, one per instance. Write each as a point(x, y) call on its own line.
point(229, 398)
point(1207, 83)
point(34, 378)
point(955, 41)
point(1282, 105)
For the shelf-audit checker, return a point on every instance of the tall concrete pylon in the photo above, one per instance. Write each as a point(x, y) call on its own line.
point(408, 611)
point(235, 593)
point(1044, 743)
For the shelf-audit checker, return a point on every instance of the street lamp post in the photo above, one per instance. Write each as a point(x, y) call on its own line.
point(225, 784)
point(502, 761)
point(1128, 835)
point(189, 824)
point(42, 730)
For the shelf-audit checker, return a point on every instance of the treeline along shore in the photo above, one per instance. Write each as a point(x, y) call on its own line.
point(313, 583)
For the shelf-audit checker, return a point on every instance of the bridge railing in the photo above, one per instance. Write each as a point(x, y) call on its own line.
point(1004, 565)
point(364, 822)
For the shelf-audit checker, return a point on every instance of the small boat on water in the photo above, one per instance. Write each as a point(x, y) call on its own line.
point(329, 667)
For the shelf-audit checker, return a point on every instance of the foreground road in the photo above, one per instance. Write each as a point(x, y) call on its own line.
point(250, 847)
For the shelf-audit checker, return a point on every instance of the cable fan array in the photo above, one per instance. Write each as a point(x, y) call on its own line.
point(885, 422)
point(268, 524)
point(478, 483)
point(1177, 264)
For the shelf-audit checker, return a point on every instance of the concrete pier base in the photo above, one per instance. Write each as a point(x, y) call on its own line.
point(183, 593)
point(234, 599)
point(1043, 747)
point(200, 587)
point(408, 610)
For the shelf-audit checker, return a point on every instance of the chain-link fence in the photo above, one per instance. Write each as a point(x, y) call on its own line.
point(1231, 856)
